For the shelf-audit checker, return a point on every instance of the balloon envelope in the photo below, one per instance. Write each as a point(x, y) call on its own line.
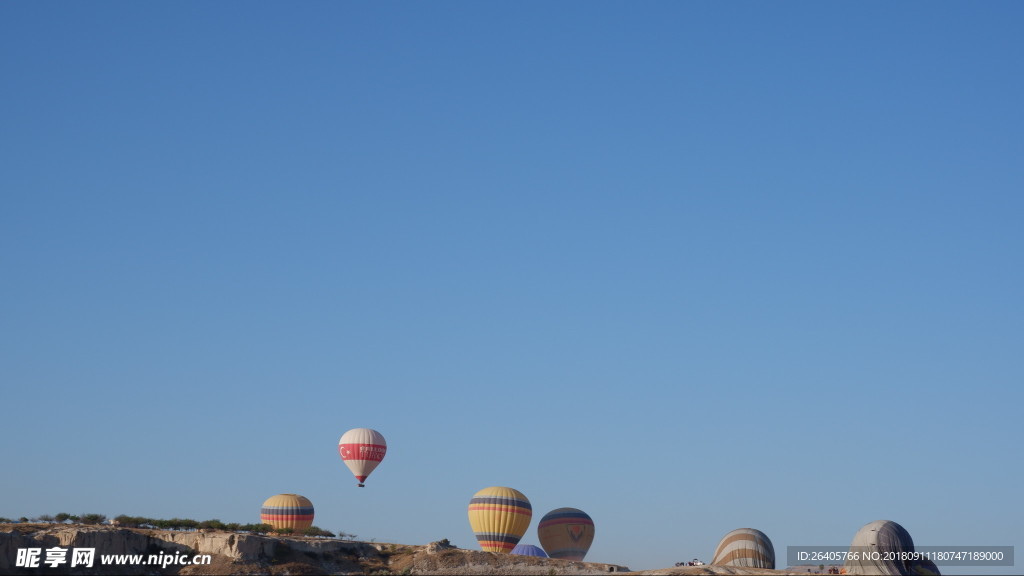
point(566, 533)
point(745, 547)
point(529, 550)
point(362, 449)
point(888, 543)
point(499, 517)
point(287, 511)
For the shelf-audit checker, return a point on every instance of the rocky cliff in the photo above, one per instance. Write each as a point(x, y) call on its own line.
point(54, 548)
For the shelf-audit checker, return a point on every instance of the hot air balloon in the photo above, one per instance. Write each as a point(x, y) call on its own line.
point(499, 517)
point(529, 550)
point(566, 533)
point(287, 511)
point(745, 547)
point(880, 547)
point(362, 450)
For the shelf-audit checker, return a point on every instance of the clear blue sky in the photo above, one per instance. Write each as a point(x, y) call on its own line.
point(686, 266)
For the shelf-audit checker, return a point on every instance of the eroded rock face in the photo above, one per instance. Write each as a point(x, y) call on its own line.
point(236, 547)
point(439, 546)
point(225, 548)
point(106, 541)
point(237, 553)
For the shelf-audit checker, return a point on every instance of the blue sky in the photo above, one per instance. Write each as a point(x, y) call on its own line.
point(688, 267)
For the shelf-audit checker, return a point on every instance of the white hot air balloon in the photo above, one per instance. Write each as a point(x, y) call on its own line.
point(362, 449)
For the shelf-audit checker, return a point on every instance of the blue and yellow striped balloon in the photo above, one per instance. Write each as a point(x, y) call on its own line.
point(499, 517)
point(566, 533)
point(287, 511)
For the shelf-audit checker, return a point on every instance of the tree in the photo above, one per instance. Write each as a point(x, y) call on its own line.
point(211, 525)
point(45, 518)
point(132, 521)
point(317, 532)
point(256, 528)
point(180, 524)
point(93, 518)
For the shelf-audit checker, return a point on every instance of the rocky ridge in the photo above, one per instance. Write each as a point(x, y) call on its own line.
point(252, 554)
point(158, 552)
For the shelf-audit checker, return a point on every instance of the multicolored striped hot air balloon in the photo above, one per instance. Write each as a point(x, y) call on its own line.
point(287, 511)
point(362, 449)
point(566, 533)
point(499, 517)
point(747, 548)
point(529, 550)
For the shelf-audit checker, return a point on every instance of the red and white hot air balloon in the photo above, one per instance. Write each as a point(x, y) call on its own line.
point(362, 449)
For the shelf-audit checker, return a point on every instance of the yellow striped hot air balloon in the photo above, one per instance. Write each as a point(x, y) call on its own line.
point(287, 511)
point(499, 517)
point(566, 533)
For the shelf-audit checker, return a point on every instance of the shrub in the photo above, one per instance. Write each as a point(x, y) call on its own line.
point(256, 528)
point(179, 524)
point(211, 525)
point(133, 521)
point(317, 532)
